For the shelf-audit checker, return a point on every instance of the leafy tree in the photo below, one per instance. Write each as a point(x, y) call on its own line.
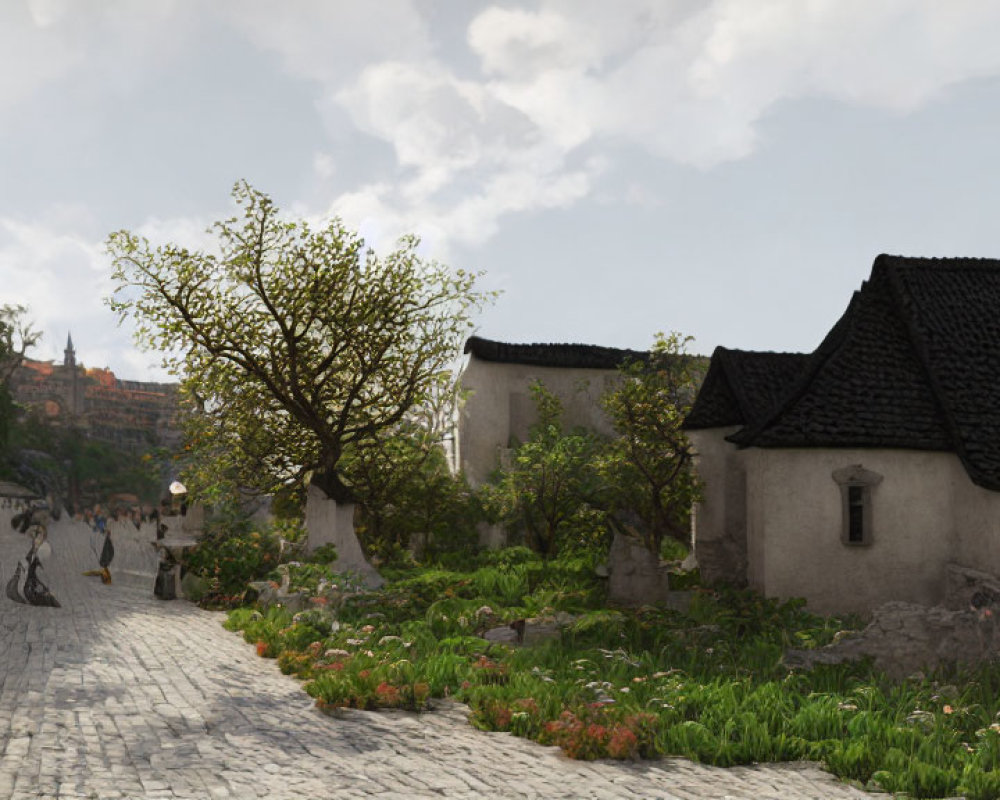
point(648, 465)
point(293, 343)
point(16, 336)
point(551, 480)
point(406, 489)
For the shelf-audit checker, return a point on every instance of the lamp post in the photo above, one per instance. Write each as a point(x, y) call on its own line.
point(178, 498)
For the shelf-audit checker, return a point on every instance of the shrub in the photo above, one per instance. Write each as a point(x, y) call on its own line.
point(229, 556)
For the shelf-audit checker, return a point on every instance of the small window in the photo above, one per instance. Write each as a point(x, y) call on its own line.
point(855, 514)
point(856, 490)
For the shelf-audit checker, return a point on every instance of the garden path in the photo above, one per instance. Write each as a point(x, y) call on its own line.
point(120, 695)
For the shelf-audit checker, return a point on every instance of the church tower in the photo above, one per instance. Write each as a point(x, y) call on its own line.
point(69, 354)
point(72, 378)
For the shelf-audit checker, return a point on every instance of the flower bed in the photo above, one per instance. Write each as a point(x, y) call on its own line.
point(708, 684)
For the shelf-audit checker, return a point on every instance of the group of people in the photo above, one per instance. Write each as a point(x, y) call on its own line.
point(25, 585)
point(100, 543)
point(31, 518)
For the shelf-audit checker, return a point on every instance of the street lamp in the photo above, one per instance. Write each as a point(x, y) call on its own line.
point(178, 497)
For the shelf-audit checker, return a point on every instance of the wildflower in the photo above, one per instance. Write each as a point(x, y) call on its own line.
point(947, 709)
point(387, 694)
point(623, 743)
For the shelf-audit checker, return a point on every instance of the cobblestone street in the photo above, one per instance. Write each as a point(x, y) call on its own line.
point(120, 695)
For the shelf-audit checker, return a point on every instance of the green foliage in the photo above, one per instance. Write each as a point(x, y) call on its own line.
point(637, 683)
point(16, 336)
point(292, 343)
point(549, 486)
point(407, 492)
point(7, 417)
point(95, 470)
point(230, 555)
point(648, 465)
point(324, 554)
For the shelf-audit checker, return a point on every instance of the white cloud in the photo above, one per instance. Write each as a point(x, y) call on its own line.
point(62, 279)
point(687, 81)
point(330, 41)
point(100, 46)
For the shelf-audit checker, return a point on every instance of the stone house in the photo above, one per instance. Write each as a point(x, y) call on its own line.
point(497, 408)
point(859, 473)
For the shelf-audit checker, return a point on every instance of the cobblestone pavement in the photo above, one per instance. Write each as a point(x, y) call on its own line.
point(120, 695)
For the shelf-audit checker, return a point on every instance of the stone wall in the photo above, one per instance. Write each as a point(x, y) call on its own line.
point(636, 576)
point(903, 638)
point(327, 522)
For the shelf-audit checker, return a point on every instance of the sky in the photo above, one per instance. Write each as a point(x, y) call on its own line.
point(728, 169)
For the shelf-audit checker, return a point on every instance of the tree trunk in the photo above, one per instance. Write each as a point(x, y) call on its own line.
point(330, 520)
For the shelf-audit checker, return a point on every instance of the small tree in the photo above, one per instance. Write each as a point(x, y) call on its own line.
point(550, 480)
point(293, 343)
point(648, 465)
point(406, 489)
point(16, 336)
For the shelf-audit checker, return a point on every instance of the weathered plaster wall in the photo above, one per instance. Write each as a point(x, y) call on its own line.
point(795, 521)
point(499, 407)
point(977, 523)
point(330, 523)
point(720, 529)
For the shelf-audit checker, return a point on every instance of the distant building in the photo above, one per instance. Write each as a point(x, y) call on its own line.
point(131, 414)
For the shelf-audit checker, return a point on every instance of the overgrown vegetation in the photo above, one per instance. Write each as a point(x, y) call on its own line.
point(551, 487)
point(707, 684)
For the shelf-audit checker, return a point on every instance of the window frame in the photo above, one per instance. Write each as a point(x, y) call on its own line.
point(856, 477)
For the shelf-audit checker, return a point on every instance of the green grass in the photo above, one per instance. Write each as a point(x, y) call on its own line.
point(708, 684)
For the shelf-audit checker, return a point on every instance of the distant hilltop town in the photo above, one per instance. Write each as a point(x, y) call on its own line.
point(129, 414)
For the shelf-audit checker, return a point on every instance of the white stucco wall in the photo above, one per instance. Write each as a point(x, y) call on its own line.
point(795, 521)
point(977, 524)
point(498, 407)
point(720, 529)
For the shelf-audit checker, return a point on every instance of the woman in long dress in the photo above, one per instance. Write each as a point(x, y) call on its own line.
point(25, 586)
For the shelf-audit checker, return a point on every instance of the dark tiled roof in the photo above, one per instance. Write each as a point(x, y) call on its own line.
point(913, 363)
point(742, 386)
point(581, 356)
